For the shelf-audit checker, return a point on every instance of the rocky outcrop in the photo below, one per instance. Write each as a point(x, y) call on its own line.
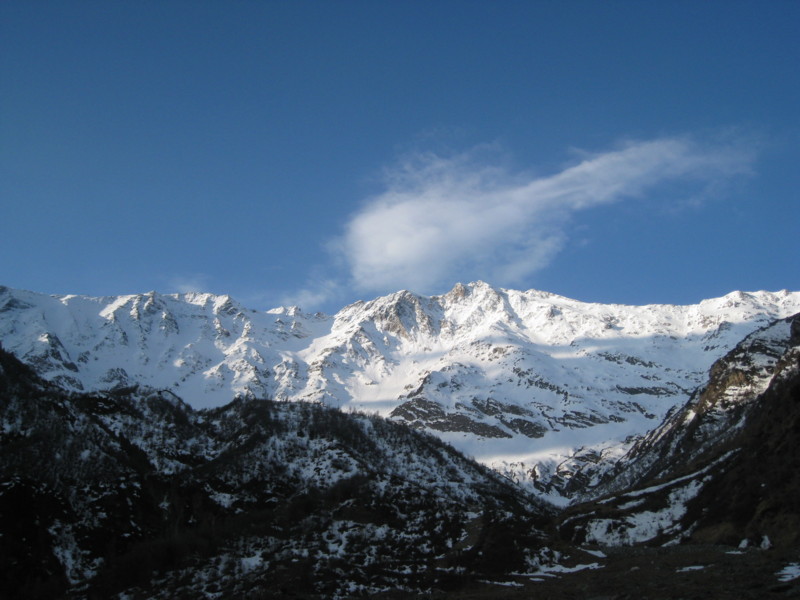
point(723, 469)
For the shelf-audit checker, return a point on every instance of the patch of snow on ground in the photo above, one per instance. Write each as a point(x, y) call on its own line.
point(656, 488)
point(546, 565)
point(249, 563)
point(790, 572)
point(643, 526)
point(223, 499)
point(503, 583)
point(555, 570)
point(77, 566)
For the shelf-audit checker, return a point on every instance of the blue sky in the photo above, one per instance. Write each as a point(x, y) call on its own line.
point(323, 152)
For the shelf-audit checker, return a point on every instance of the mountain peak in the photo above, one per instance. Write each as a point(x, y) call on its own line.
point(461, 290)
point(518, 379)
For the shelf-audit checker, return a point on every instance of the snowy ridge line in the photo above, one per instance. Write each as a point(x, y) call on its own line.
point(538, 385)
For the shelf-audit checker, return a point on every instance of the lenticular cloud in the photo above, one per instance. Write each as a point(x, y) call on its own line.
point(443, 219)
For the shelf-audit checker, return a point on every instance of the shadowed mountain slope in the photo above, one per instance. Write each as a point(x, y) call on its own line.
point(723, 469)
point(135, 491)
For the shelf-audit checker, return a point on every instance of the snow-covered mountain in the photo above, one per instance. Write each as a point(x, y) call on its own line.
point(538, 386)
point(118, 488)
point(723, 468)
point(134, 494)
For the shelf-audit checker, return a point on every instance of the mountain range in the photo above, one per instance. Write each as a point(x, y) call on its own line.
point(151, 440)
point(542, 388)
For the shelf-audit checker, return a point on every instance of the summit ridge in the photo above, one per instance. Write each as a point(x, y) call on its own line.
point(541, 387)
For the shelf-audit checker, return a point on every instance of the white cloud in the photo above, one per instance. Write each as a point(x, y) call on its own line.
point(316, 293)
point(444, 219)
point(189, 283)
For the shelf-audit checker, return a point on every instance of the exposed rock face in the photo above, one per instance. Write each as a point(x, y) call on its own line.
point(723, 468)
point(536, 385)
point(716, 412)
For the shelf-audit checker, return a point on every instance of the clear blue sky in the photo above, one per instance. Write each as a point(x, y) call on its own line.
point(322, 152)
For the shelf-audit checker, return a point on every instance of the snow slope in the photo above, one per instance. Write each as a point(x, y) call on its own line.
point(536, 385)
point(721, 469)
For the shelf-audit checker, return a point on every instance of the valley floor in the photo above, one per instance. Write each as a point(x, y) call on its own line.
point(689, 572)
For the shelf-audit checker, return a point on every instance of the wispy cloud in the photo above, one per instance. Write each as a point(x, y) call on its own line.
point(183, 284)
point(441, 219)
point(316, 293)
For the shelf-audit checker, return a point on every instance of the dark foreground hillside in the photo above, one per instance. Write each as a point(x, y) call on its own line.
point(135, 492)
